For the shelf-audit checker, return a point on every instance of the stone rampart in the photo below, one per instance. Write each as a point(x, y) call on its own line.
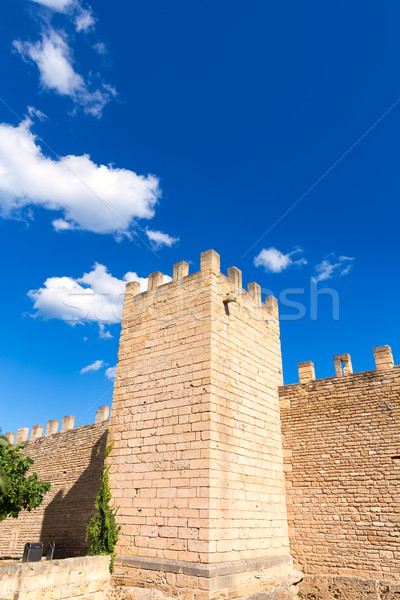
point(72, 461)
point(342, 469)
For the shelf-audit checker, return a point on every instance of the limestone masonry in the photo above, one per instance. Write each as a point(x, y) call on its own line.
point(85, 578)
point(228, 483)
point(72, 461)
point(197, 462)
point(342, 447)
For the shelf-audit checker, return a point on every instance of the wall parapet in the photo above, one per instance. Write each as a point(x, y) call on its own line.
point(72, 462)
point(67, 424)
point(342, 449)
point(343, 366)
point(209, 263)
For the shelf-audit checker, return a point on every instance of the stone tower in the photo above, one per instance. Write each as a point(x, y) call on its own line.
point(197, 467)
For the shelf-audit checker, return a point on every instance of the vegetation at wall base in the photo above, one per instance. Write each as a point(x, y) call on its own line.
point(17, 491)
point(102, 532)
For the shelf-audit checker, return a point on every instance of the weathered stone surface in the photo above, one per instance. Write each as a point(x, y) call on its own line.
point(72, 461)
point(86, 577)
point(389, 590)
point(342, 467)
point(197, 463)
point(327, 587)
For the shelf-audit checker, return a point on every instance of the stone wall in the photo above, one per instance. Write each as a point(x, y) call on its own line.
point(85, 578)
point(146, 579)
point(342, 455)
point(198, 418)
point(72, 461)
point(197, 462)
point(342, 587)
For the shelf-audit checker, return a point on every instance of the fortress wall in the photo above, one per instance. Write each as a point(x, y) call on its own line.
point(72, 461)
point(342, 453)
point(246, 467)
point(161, 393)
point(197, 461)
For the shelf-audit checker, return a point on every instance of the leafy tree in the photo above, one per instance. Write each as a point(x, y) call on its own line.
point(4, 481)
point(102, 531)
point(17, 491)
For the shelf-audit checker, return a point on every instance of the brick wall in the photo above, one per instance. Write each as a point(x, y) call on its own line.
point(247, 490)
point(160, 461)
point(72, 462)
point(342, 450)
point(197, 463)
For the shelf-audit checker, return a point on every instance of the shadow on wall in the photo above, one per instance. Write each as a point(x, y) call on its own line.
point(67, 516)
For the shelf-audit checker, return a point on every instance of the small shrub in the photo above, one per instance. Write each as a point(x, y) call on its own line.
point(102, 532)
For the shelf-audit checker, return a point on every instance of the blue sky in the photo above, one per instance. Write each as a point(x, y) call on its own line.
point(134, 135)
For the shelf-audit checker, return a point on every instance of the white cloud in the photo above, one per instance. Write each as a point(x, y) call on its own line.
point(83, 17)
point(160, 239)
point(100, 48)
point(53, 57)
point(275, 261)
point(57, 5)
point(96, 297)
point(96, 366)
point(91, 197)
point(110, 373)
point(61, 225)
point(332, 267)
point(34, 112)
point(103, 334)
point(84, 21)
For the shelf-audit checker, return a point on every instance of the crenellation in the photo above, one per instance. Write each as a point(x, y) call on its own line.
point(180, 270)
point(343, 366)
point(272, 306)
point(67, 423)
point(210, 261)
point(22, 435)
point(383, 358)
point(102, 414)
point(155, 280)
point(235, 275)
point(37, 432)
point(306, 371)
point(51, 427)
point(254, 290)
point(135, 303)
point(132, 288)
